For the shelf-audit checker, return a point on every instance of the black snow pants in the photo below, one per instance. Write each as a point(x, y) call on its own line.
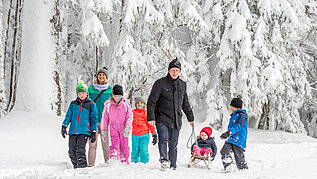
point(77, 150)
point(238, 153)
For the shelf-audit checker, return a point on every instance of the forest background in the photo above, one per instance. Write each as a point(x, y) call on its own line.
point(263, 50)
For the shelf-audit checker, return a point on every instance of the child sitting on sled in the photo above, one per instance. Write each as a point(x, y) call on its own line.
point(206, 144)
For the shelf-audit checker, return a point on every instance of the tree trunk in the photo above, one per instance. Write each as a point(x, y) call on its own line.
point(121, 16)
point(35, 87)
point(56, 25)
point(264, 119)
point(2, 89)
point(131, 91)
point(15, 54)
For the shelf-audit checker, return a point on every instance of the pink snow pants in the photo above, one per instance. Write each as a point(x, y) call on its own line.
point(119, 147)
point(201, 151)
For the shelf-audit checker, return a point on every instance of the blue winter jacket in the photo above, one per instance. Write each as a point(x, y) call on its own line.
point(238, 128)
point(82, 116)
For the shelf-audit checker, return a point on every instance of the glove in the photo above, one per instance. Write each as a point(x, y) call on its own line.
point(154, 141)
point(225, 135)
point(92, 137)
point(63, 131)
point(103, 136)
point(126, 131)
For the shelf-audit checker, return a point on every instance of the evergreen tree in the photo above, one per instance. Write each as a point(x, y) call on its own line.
point(308, 112)
point(148, 41)
point(259, 59)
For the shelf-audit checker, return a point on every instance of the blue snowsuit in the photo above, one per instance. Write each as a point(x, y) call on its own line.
point(82, 116)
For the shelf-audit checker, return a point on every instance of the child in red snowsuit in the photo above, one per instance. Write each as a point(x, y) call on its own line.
point(140, 133)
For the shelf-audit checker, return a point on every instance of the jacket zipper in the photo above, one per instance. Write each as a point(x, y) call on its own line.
point(79, 115)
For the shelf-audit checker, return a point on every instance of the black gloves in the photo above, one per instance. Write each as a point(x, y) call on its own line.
point(225, 135)
point(63, 131)
point(154, 139)
point(92, 137)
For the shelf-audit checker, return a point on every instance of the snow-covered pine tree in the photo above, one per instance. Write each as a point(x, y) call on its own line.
point(82, 36)
point(201, 55)
point(149, 40)
point(259, 59)
point(308, 112)
point(136, 50)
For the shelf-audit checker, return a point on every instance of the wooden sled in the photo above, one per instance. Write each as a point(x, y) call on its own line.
point(195, 159)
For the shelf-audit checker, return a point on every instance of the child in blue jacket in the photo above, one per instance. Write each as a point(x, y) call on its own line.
point(236, 136)
point(82, 115)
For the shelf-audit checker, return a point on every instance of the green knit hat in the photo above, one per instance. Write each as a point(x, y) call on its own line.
point(81, 87)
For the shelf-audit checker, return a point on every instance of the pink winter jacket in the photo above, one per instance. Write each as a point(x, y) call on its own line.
point(116, 117)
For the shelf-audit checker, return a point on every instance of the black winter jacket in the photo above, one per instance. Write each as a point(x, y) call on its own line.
point(209, 143)
point(167, 99)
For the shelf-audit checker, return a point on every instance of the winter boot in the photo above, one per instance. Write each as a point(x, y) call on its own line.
point(164, 165)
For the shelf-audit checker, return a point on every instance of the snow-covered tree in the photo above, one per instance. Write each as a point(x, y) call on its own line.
point(82, 37)
point(35, 89)
point(260, 60)
point(308, 112)
point(149, 40)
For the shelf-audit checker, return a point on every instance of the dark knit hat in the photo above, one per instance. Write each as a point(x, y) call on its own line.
point(103, 70)
point(81, 87)
point(174, 64)
point(138, 99)
point(117, 90)
point(236, 102)
point(207, 130)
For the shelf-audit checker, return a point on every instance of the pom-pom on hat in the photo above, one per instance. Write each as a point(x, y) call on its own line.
point(174, 64)
point(236, 102)
point(207, 130)
point(81, 87)
point(117, 90)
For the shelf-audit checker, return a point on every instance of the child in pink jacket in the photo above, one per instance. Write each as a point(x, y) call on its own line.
point(117, 115)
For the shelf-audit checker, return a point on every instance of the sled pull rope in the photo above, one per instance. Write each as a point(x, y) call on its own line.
point(192, 138)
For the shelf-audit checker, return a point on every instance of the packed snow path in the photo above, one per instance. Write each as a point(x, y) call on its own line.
point(32, 147)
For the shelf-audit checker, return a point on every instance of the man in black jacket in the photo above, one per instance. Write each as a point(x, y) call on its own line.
point(165, 104)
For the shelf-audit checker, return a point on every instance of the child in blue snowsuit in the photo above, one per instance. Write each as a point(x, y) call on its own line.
point(236, 136)
point(82, 115)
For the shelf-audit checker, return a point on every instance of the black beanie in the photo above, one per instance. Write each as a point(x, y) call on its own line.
point(174, 64)
point(236, 102)
point(117, 90)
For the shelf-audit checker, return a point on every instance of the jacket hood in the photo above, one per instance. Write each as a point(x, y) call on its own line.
point(240, 111)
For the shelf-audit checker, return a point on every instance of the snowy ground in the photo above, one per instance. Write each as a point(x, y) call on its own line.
point(32, 147)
